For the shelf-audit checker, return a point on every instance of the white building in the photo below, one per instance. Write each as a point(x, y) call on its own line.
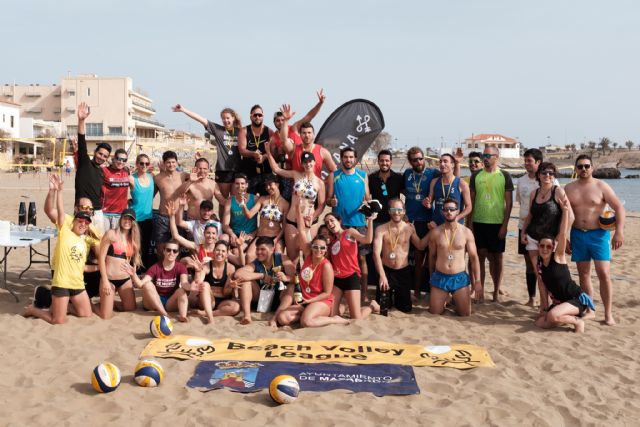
point(509, 147)
point(9, 125)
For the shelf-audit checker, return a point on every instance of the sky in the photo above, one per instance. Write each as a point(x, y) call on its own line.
point(557, 72)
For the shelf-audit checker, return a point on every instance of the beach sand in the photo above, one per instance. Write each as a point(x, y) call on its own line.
point(541, 378)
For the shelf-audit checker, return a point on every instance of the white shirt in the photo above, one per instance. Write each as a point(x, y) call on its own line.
point(525, 186)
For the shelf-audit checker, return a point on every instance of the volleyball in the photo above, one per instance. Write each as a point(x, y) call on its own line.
point(161, 326)
point(284, 389)
point(607, 220)
point(105, 377)
point(148, 373)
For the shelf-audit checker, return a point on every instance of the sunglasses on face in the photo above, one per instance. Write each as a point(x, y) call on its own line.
point(396, 210)
point(257, 115)
point(319, 248)
point(172, 251)
point(416, 159)
point(449, 209)
point(583, 166)
point(143, 163)
point(488, 156)
point(121, 159)
point(545, 246)
point(547, 173)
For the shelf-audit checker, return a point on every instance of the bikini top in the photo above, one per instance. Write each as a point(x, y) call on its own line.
point(304, 188)
point(271, 212)
point(119, 250)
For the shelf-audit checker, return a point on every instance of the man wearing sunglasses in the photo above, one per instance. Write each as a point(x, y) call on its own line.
point(588, 197)
point(115, 189)
point(491, 195)
point(254, 162)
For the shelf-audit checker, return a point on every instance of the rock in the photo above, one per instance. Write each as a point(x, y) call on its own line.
point(606, 173)
point(632, 176)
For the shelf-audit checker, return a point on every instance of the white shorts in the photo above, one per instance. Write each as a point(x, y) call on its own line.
point(532, 244)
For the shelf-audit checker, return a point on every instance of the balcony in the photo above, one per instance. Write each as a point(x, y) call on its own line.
point(141, 105)
point(34, 110)
point(71, 110)
point(33, 95)
point(146, 120)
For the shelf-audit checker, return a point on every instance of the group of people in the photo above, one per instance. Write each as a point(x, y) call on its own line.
point(424, 230)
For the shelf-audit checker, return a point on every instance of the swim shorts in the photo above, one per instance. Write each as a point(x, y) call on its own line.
point(486, 236)
point(587, 245)
point(400, 284)
point(450, 282)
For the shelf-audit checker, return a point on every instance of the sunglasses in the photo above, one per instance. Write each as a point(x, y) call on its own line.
point(449, 209)
point(170, 251)
point(121, 159)
point(144, 163)
point(547, 173)
point(85, 208)
point(383, 187)
point(488, 156)
point(416, 159)
point(257, 115)
point(396, 210)
point(475, 162)
point(545, 246)
point(583, 166)
point(319, 248)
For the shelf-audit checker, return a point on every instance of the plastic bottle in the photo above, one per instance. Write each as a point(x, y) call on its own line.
point(22, 214)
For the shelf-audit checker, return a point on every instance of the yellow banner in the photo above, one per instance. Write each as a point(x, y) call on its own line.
point(461, 356)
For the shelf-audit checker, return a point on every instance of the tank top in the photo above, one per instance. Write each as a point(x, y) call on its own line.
point(296, 163)
point(202, 253)
point(256, 143)
point(211, 280)
point(239, 222)
point(545, 217)
point(557, 279)
point(285, 159)
point(260, 268)
point(311, 279)
point(451, 191)
point(344, 256)
point(142, 198)
point(349, 190)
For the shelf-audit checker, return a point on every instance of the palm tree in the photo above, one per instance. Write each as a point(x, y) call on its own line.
point(604, 144)
point(615, 146)
point(629, 144)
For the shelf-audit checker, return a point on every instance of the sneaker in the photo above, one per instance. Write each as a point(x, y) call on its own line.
point(42, 297)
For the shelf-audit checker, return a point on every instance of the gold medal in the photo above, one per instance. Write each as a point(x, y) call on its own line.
point(392, 255)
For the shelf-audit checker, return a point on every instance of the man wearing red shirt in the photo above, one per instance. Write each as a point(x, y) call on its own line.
point(115, 187)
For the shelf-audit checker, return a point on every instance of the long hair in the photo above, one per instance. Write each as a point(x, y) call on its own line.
point(237, 123)
point(133, 237)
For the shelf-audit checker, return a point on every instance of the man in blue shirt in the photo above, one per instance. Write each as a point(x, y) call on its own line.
point(350, 187)
point(417, 181)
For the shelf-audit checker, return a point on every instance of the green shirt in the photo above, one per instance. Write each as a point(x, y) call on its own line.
point(490, 189)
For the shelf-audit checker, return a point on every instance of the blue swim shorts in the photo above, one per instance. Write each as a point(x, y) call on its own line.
point(587, 245)
point(450, 282)
point(164, 300)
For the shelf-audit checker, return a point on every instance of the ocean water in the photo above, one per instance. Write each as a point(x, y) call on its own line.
point(628, 190)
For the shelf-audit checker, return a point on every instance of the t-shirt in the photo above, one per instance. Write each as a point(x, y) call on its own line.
point(228, 156)
point(524, 187)
point(88, 176)
point(68, 221)
point(197, 229)
point(349, 190)
point(416, 189)
point(166, 281)
point(294, 136)
point(115, 188)
point(71, 255)
point(296, 162)
point(490, 189)
point(385, 191)
point(250, 167)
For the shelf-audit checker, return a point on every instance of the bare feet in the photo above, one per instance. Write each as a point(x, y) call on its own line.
point(503, 292)
point(183, 319)
point(496, 296)
point(608, 320)
point(28, 311)
point(340, 320)
point(530, 302)
point(579, 326)
point(375, 307)
point(245, 320)
point(589, 314)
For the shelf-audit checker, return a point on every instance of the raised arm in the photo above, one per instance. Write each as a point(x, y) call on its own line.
point(195, 116)
point(365, 239)
point(60, 206)
point(171, 211)
point(250, 213)
point(313, 112)
point(277, 169)
point(287, 114)
point(226, 220)
point(50, 208)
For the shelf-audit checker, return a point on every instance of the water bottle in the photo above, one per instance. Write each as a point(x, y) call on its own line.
point(384, 303)
point(22, 214)
point(31, 217)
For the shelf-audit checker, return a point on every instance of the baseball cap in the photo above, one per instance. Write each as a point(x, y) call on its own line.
point(307, 157)
point(130, 213)
point(83, 215)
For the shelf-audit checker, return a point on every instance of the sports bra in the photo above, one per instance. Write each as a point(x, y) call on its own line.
point(118, 250)
point(304, 188)
point(211, 280)
point(271, 212)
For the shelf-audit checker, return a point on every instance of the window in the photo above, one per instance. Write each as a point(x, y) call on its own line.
point(115, 130)
point(11, 121)
point(94, 129)
point(88, 91)
point(4, 118)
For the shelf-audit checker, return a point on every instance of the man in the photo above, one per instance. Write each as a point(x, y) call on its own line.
point(266, 269)
point(588, 197)
point(348, 189)
point(115, 189)
point(525, 185)
point(165, 285)
point(199, 187)
point(252, 149)
point(391, 256)
point(448, 244)
point(166, 182)
point(417, 181)
point(196, 226)
point(89, 175)
point(491, 194)
point(448, 186)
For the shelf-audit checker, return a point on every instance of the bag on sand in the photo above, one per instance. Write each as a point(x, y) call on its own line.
point(267, 292)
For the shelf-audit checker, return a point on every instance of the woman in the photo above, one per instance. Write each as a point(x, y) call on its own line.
point(545, 212)
point(71, 251)
point(344, 258)
point(308, 191)
point(316, 284)
point(570, 304)
point(272, 209)
point(142, 190)
point(118, 247)
point(217, 274)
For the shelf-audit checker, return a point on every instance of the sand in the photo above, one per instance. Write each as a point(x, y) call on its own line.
point(542, 378)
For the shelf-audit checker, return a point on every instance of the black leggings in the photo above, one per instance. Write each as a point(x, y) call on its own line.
point(147, 253)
